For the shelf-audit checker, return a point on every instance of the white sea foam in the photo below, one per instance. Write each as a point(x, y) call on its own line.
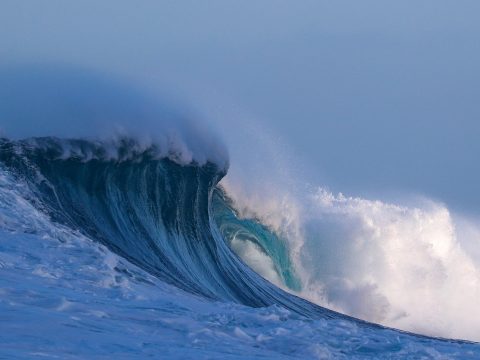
point(411, 268)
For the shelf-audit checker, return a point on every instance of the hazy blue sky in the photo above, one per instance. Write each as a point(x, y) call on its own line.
point(377, 96)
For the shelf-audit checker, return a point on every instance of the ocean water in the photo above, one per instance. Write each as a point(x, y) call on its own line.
point(116, 250)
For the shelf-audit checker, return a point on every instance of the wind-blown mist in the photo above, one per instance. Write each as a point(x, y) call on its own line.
point(71, 102)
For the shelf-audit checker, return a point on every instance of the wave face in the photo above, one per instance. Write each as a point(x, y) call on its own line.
point(168, 225)
point(153, 212)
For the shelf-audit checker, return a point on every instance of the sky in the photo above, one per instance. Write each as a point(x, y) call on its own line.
point(375, 97)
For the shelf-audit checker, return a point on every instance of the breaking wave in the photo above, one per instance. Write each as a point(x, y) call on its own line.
point(399, 266)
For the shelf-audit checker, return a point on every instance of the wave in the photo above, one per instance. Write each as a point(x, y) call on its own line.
point(181, 224)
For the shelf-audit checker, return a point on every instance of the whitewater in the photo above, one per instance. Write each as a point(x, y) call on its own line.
point(121, 241)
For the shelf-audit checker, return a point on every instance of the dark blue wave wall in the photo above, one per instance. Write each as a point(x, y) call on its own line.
point(152, 211)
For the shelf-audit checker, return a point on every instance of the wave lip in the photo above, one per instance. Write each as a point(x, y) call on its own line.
point(76, 103)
